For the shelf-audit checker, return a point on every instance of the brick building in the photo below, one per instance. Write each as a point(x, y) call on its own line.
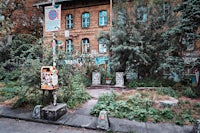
point(81, 23)
point(83, 20)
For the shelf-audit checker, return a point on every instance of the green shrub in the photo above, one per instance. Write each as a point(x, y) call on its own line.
point(28, 97)
point(75, 94)
point(150, 82)
point(105, 102)
point(8, 93)
point(167, 91)
point(188, 92)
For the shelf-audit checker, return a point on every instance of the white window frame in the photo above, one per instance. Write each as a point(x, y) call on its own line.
point(69, 21)
point(69, 45)
point(102, 46)
point(141, 13)
point(85, 46)
point(103, 18)
point(85, 20)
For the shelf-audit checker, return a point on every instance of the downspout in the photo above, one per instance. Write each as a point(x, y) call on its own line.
point(110, 15)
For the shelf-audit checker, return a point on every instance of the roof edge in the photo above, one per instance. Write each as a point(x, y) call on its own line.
point(49, 2)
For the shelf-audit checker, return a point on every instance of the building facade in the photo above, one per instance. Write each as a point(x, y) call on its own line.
point(81, 23)
point(83, 20)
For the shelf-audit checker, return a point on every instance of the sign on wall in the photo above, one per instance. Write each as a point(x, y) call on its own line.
point(52, 18)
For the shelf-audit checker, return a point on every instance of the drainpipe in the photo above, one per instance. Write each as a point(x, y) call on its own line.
point(110, 15)
point(53, 2)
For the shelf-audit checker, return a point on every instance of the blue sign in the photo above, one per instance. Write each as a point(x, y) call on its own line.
point(101, 60)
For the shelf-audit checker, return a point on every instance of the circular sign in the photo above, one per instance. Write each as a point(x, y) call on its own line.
point(52, 14)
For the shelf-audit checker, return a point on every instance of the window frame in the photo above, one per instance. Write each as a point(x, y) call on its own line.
point(69, 44)
point(142, 14)
point(85, 46)
point(102, 49)
point(103, 18)
point(85, 20)
point(189, 41)
point(71, 24)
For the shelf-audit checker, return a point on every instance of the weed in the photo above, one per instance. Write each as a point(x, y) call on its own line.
point(167, 91)
point(188, 92)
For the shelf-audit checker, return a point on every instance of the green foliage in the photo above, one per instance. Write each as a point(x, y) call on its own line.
point(28, 97)
point(135, 107)
point(188, 92)
point(15, 53)
point(27, 62)
point(181, 38)
point(150, 82)
point(167, 91)
point(8, 92)
point(140, 47)
point(105, 102)
point(140, 108)
point(75, 94)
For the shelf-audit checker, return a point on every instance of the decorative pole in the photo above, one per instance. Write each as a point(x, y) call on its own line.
point(54, 60)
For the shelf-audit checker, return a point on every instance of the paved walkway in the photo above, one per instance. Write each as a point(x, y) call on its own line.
point(82, 118)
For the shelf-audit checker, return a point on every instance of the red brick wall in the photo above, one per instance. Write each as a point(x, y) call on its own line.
point(78, 33)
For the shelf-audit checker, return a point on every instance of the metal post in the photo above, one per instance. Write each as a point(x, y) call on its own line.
point(53, 2)
point(54, 64)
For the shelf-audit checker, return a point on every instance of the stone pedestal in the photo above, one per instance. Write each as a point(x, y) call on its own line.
point(96, 78)
point(52, 112)
point(103, 122)
point(36, 112)
point(119, 79)
point(196, 127)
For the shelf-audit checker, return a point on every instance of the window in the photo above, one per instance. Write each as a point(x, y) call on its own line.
point(103, 19)
point(102, 46)
point(122, 16)
point(85, 46)
point(141, 14)
point(188, 41)
point(69, 21)
point(85, 20)
point(165, 10)
point(2, 18)
point(69, 46)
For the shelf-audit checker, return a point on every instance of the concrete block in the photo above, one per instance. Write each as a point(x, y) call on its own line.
point(52, 112)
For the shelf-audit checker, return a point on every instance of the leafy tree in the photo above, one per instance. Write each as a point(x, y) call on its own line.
point(181, 38)
point(137, 45)
point(20, 17)
point(15, 54)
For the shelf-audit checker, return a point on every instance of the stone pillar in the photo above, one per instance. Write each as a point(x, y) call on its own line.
point(103, 122)
point(36, 112)
point(96, 78)
point(119, 79)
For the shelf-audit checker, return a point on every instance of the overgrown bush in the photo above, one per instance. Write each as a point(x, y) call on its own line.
point(22, 64)
point(167, 91)
point(139, 107)
point(75, 94)
point(150, 82)
point(188, 92)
